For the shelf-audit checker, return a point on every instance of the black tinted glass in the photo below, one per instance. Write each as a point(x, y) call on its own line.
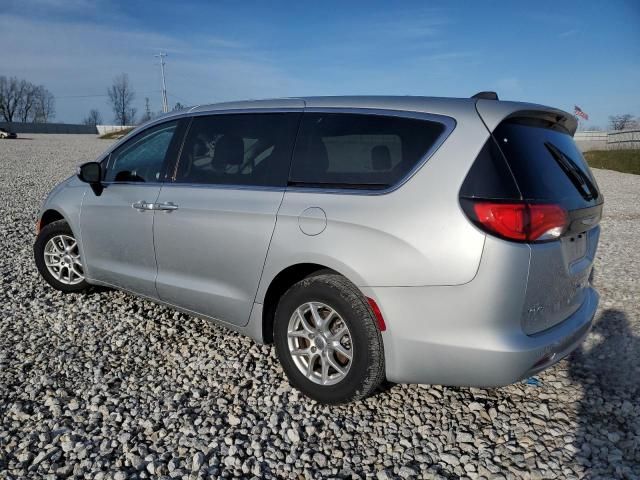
point(490, 177)
point(141, 159)
point(239, 149)
point(547, 165)
point(359, 151)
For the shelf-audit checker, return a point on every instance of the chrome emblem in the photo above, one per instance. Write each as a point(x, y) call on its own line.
point(535, 309)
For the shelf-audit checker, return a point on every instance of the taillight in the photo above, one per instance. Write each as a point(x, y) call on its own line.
point(520, 221)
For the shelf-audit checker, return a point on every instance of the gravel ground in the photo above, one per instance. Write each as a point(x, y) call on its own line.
point(106, 385)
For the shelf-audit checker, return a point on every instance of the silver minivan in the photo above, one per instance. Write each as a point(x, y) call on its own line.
point(413, 239)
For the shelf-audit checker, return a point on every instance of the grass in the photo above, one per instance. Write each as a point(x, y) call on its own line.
point(626, 161)
point(115, 135)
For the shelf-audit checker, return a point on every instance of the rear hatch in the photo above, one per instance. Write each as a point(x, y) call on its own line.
point(535, 165)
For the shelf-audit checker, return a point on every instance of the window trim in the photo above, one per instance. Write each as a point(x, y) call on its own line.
point(449, 124)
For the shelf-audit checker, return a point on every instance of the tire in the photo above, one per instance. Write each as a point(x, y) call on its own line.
point(67, 280)
point(359, 376)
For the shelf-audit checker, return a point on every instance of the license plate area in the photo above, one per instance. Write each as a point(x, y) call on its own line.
point(575, 247)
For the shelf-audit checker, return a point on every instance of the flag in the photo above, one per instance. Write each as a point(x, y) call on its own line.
point(579, 113)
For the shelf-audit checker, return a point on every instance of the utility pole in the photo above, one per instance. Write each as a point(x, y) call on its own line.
point(165, 103)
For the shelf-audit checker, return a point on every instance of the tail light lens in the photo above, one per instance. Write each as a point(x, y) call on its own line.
point(519, 221)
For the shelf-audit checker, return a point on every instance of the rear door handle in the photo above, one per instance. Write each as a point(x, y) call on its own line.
point(167, 206)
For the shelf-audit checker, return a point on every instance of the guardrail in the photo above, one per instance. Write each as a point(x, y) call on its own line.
point(623, 140)
point(616, 140)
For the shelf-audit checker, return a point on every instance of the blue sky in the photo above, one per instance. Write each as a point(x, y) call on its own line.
point(556, 53)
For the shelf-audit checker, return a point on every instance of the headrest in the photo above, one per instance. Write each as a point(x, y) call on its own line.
point(229, 150)
point(380, 158)
point(199, 147)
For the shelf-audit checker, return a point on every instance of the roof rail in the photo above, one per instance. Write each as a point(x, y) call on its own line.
point(486, 96)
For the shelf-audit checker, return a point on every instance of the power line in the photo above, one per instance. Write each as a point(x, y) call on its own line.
point(165, 103)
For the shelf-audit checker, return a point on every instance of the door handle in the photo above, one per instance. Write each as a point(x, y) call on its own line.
point(142, 205)
point(166, 206)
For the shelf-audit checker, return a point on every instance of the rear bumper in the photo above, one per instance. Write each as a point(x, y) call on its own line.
point(472, 334)
point(484, 360)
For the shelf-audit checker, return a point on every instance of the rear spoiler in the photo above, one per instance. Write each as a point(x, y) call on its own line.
point(492, 113)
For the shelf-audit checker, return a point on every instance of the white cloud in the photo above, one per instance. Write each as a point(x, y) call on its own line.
point(446, 56)
point(81, 58)
point(57, 5)
point(568, 33)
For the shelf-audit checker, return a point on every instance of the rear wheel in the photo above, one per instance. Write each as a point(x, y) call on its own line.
point(327, 340)
point(57, 257)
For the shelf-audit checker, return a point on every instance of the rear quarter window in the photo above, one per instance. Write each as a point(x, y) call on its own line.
point(343, 150)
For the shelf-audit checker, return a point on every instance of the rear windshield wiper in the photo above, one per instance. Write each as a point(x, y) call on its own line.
point(580, 179)
point(340, 185)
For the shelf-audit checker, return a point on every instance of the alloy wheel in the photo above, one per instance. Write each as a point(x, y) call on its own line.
point(320, 343)
point(62, 258)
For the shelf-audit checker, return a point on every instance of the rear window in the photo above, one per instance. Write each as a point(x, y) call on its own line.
point(340, 150)
point(546, 164)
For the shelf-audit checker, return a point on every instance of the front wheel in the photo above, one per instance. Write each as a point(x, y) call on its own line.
point(327, 340)
point(57, 257)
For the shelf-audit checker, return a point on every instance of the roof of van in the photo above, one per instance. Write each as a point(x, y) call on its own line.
point(492, 111)
point(356, 101)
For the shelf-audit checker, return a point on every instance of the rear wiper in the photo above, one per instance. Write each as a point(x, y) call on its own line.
point(376, 186)
point(579, 179)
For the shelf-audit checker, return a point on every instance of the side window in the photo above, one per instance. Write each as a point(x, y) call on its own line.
point(238, 149)
point(141, 158)
point(343, 150)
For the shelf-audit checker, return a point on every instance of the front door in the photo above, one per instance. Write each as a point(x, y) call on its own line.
point(218, 215)
point(117, 225)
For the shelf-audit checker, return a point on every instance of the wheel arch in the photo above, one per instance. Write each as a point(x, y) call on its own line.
point(282, 281)
point(49, 216)
point(53, 212)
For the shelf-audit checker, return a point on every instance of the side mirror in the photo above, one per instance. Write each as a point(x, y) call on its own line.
point(90, 172)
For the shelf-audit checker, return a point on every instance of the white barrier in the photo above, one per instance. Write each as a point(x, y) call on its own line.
point(104, 129)
point(624, 140)
point(591, 140)
point(616, 140)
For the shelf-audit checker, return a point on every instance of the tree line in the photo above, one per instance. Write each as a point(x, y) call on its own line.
point(623, 122)
point(22, 101)
point(121, 97)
